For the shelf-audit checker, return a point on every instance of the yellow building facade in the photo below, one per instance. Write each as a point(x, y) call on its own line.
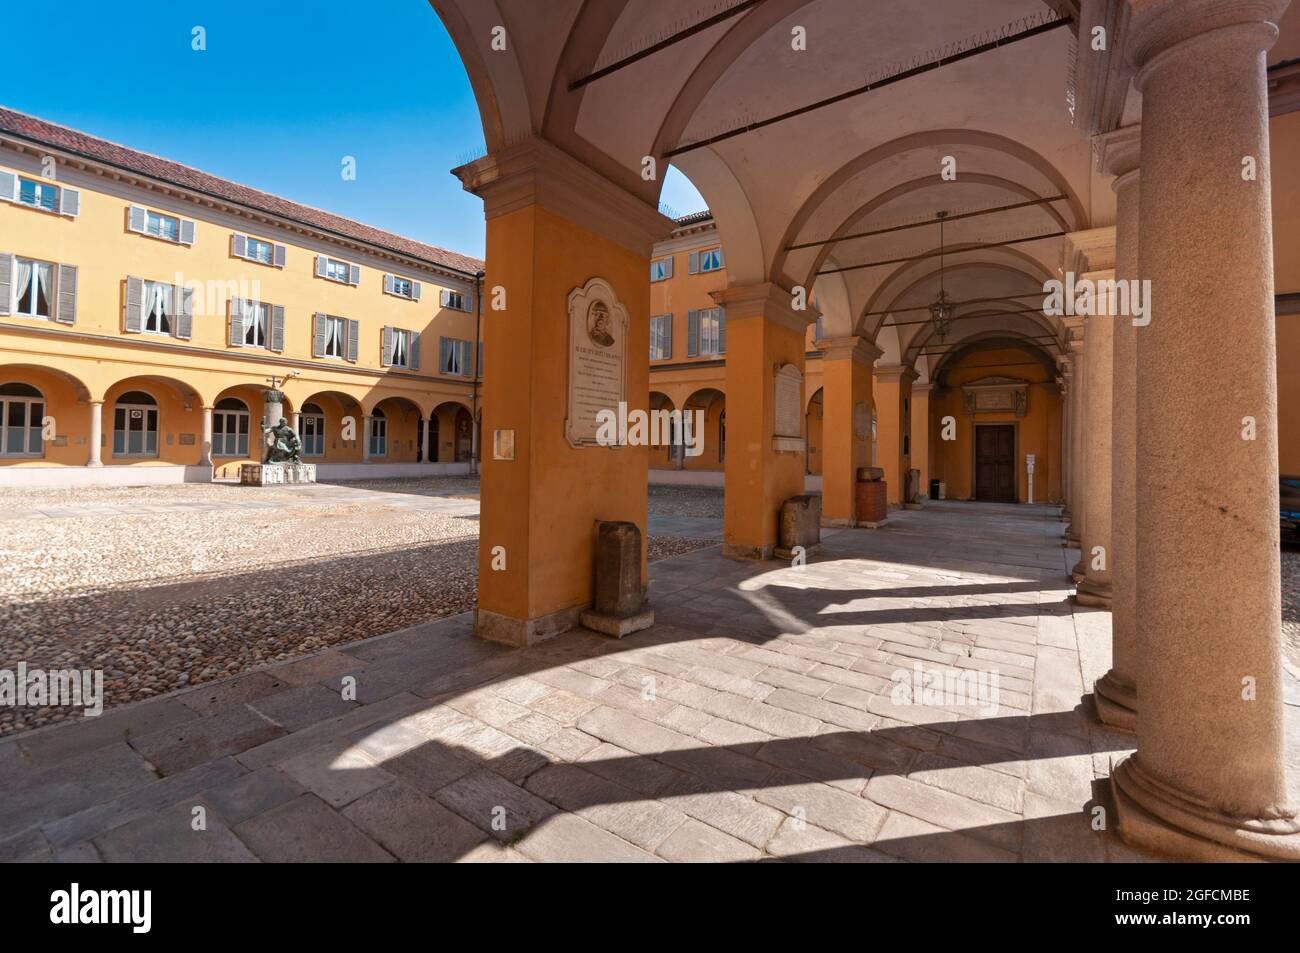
point(145, 308)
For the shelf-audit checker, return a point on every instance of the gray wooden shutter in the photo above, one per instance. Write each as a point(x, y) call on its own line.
point(693, 332)
point(318, 327)
point(320, 266)
point(6, 281)
point(668, 267)
point(469, 303)
point(66, 313)
point(239, 246)
point(693, 263)
point(135, 219)
point(444, 350)
point(388, 284)
point(668, 336)
point(354, 274)
point(184, 312)
point(444, 297)
point(187, 231)
point(413, 351)
point(354, 333)
point(279, 255)
point(386, 358)
point(277, 328)
point(133, 319)
point(8, 186)
point(415, 291)
point(236, 322)
point(722, 330)
point(464, 357)
point(69, 202)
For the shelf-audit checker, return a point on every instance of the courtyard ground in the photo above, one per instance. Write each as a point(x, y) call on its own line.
point(756, 720)
point(164, 587)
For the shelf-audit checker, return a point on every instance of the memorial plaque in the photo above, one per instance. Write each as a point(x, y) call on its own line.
point(788, 425)
point(597, 359)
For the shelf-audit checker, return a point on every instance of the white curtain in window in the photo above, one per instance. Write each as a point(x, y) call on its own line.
point(24, 279)
point(157, 307)
point(44, 283)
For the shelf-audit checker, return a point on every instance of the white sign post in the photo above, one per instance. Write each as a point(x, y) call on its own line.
point(1029, 465)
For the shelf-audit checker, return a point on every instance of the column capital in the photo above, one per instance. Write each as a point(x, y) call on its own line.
point(852, 347)
point(1118, 152)
point(922, 389)
point(1159, 29)
point(895, 373)
point(1092, 249)
point(767, 300)
point(535, 172)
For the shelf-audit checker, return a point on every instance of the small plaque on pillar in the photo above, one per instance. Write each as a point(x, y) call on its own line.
point(619, 607)
point(503, 445)
point(788, 415)
point(597, 359)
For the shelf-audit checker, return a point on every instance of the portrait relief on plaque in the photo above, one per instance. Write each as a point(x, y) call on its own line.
point(598, 326)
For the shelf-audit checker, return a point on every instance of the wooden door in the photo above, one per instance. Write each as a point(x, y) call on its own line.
point(995, 463)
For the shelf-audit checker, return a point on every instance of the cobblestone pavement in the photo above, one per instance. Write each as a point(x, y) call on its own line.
point(165, 587)
point(1291, 604)
point(755, 720)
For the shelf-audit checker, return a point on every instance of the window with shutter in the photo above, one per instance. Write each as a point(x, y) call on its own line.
point(133, 319)
point(185, 314)
point(276, 343)
point(67, 310)
point(8, 186)
point(69, 202)
point(135, 218)
point(692, 333)
point(187, 232)
point(6, 282)
point(386, 352)
point(414, 348)
point(354, 334)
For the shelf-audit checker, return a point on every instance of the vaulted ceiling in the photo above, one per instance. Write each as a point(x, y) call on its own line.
point(792, 198)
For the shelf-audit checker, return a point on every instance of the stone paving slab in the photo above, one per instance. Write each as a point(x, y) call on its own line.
point(760, 719)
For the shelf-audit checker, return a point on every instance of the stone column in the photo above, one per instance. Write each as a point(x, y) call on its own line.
point(96, 452)
point(296, 421)
point(430, 451)
point(921, 436)
point(554, 225)
point(365, 438)
point(1208, 780)
point(205, 451)
point(1078, 490)
point(846, 423)
point(893, 386)
point(762, 468)
point(1067, 425)
point(1115, 693)
point(1095, 543)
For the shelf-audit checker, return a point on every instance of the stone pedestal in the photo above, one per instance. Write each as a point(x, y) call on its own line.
point(872, 497)
point(276, 474)
point(801, 525)
point(620, 603)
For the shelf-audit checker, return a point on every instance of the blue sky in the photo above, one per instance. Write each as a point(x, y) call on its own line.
point(284, 91)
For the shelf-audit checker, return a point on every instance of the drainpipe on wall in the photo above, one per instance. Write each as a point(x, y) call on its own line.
point(473, 415)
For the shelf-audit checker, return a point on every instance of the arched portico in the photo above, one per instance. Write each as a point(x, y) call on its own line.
point(735, 108)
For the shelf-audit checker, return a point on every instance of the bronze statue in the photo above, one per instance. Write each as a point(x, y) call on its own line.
point(283, 444)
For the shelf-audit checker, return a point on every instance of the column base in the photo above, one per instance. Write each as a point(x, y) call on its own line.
point(617, 626)
point(95, 463)
point(1153, 816)
point(747, 553)
point(523, 632)
point(1094, 595)
point(1079, 572)
point(1116, 701)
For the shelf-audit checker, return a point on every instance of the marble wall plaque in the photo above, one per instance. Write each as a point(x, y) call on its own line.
point(598, 325)
point(788, 425)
